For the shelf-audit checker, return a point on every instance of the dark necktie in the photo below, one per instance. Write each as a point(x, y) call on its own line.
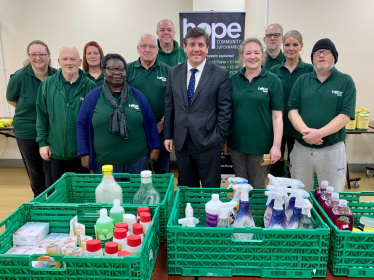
point(191, 86)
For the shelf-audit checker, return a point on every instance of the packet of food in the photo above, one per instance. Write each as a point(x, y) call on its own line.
point(84, 239)
point(69, 242)
point(80, 230)
point(53, 236)
point(53, 247)
point(72, 225)
point(77, 251)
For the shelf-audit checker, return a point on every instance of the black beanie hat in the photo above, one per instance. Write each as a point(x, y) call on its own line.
point(328, 45)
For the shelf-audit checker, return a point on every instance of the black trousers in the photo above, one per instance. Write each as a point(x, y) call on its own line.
point(60, 166)
point(278, 168)
point(199, 165)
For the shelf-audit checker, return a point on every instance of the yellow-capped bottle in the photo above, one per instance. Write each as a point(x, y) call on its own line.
point(108, 189)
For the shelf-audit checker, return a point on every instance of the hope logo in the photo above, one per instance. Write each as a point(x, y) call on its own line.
point(264, 89)
point(337, 93)
point(233, 30)
point(135, 106)
point(161, 78)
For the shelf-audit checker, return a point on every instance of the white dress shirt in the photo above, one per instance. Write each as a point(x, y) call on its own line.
point(198, 73)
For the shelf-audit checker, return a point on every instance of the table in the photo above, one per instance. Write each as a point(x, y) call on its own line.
point(370, 130)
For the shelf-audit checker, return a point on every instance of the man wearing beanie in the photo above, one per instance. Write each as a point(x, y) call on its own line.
point(320, 105)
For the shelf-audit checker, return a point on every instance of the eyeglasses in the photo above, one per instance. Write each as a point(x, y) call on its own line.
point(275, 35)
point(35, 55)
point(112, 70)
point(318, 53)
point(144, 46)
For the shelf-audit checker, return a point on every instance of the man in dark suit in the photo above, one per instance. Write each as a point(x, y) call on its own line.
point(197, 113)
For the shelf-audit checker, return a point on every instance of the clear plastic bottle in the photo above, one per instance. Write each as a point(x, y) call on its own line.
point(306, 220)
point(330, 203)
point(116, 212)
point(325, 196)
point(108, 189)
point(321, 189)
point(342, 216)
point(146, 194)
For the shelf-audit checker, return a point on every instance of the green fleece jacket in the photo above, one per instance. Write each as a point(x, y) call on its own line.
point(56, 122)
point(177, 56)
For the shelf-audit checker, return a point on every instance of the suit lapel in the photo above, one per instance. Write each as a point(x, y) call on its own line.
point(207, 72)
point(183, 83)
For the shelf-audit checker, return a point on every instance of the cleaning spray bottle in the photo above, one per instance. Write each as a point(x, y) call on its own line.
point(285, 182)
point(306, 220)
point(225, 208)
point(236, 182)
point(290, 202)
point(297, 211)
point(189, 220)
point(270, 202)
point(244, 217)
point(278, 219)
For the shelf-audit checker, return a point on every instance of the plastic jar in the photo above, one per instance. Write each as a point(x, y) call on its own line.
point(111, 249)
point(145, 221)
point(137, 229)
point(124, 254)
point(134, 244)
point(93, 248)
point(141, 210)
point(129, 219)
point(120, 236)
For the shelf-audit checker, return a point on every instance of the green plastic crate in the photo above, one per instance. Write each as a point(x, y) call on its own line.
point(80, 188)
point(203, 251)
point(351, 253)
point(14, 267)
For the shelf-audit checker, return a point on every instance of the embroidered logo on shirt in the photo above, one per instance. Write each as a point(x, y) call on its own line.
point(82, 98)
point(135, 106)
point(264, 89)
point(337, 93)
point(161, 78)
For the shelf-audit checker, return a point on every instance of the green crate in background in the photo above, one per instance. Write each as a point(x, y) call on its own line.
point(80, 188)
point(351, 253)
point(14, 267)
point(202, 251)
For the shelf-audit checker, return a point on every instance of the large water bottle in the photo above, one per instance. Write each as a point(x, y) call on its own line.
point(146, 194)
point(108, 189)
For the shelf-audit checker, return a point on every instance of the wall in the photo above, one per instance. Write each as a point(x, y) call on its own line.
point(118, 24)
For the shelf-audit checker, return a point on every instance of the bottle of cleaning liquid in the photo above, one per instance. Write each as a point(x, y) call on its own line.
point(189, 220)
point(306, 220)
point(285, 182)
point(278, 218)
point(342, 216)
point(117, 211)
point(108, 189)
point(330, 203)
point(223, 216)
point(325, 196)
point(297, 211)
point(211, 214)
point(270, 202)
point(235, 184)
point(146, 194)
point(290, 202)
point(244, 217)
point(321, 189)
point(104, 226)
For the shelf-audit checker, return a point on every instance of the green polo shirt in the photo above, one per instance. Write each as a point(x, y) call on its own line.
point(251, 129)
point(175, 57)
point(99, 81)
point(270, 62)
point(318, 103)
point(151, 82)
point(287, 80)
point(115, 150)
point(23, 88)
point(69, 87)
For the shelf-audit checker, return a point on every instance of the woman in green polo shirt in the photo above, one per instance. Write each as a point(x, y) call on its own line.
point(21, 93)
point(92, 56)
point(257, 126)
point(288, 72)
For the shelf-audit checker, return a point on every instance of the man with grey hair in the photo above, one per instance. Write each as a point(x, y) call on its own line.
point(149, 75)
point(59, 99)
point(320, 105)
point(169, 51)
point(273, 40)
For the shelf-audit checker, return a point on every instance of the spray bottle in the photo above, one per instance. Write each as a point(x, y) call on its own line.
point(278, 219)
point(244, 217)
point(235, 183)
point(270, 202)
point(285, 182)
point(306, 220)
point(189, 220)
point(297, 211)
point(290, 202)
point(225, 208)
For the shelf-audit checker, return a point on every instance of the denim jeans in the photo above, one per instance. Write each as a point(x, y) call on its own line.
point(39, 170)
point(60, 166)
point(134, 167)
point(162, 164)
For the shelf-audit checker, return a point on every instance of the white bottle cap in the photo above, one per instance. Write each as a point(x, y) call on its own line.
point(215, 197)
point(103, 213)
point(146, 176)
point(116, 203)
point(335, 196)
point(343, 202)
point(330, 189)
point(324, 184)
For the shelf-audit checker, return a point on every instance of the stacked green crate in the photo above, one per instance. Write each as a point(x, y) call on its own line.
point(137, 267)
point(351, 253)
point(202, 251)
point(80, 188)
